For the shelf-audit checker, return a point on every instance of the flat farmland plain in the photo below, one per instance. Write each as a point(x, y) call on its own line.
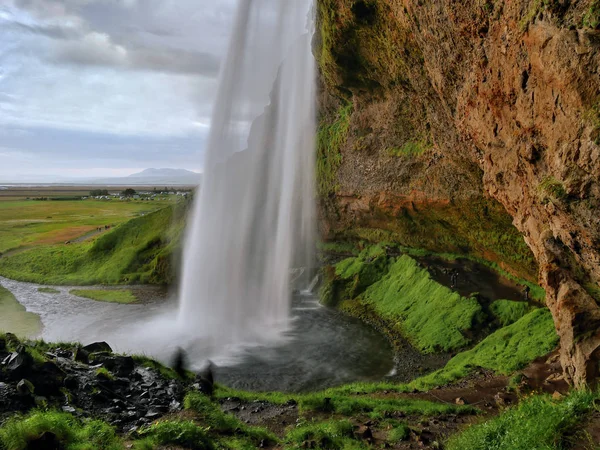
point(28, 223)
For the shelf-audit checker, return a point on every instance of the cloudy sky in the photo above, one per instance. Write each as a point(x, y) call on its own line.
point(107, 87)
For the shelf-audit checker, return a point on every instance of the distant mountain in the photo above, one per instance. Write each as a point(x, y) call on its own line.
point(165, 173)
point(150, 177)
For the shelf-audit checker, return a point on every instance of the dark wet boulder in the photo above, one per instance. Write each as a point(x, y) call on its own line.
point(71, 382)
point(25, 387)
point(97, 347)
point(18, 364)
point(81, 355)
point(119, 365)
point(48, 378)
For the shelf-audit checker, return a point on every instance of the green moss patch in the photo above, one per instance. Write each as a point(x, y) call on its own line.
point(431, 316)
point(591, 18)
point(508, 312)
point(504, 351)
point(330, 138)
point(409, 149)
point(552, 189)
point(536, 423)
point(124, 296)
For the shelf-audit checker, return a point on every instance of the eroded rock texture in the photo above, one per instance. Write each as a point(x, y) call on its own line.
point(471, 127)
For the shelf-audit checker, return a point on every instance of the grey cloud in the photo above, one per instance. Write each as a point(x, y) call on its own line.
point(99, 51)
point(51, 31)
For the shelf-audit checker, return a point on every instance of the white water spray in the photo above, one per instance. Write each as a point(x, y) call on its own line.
point(253, 218)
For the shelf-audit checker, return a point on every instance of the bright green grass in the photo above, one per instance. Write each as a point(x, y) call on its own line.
point(220, 423)
point(537, 423)
point(17, 432)
point(504, 351)
point(331, 434)
point(430, 315)
point(15, 319)
point(139, 251)
point(184, 433)
point(344, 401)
point(104, 373)
point(26, 223)
point(399, 433)
point(508, 312)
point(48, 290)
point(106, 295)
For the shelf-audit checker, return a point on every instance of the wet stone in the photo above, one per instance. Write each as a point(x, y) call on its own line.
point(97, 347)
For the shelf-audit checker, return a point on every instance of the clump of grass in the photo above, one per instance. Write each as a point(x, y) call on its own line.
point(211, 415)
point(508, 312)
point(48, 290)
point(18, 432)
point(591, 18)
point(409, 149)
point(104, 373)
point(331, 434)
point(504, 351)
point(552, 189)
point(536, 423)
point(124, 296)
point(330, 138)
point(430, 315)
point(399, 433)
point(175, 432)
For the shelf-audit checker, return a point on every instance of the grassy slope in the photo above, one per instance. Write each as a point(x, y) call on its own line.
point(139, 250)
point(504, 351)
point(536, 423)
point(432, 316)
point(508, 312)
point(24, 223)
point(102, 295)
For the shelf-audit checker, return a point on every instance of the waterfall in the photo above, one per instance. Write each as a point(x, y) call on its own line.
point(253, 217)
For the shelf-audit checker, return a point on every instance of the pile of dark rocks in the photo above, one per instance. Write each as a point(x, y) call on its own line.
point(87, 381)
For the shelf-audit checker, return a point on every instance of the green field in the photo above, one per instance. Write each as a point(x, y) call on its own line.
point(25, 223)
point(124, 296)
point(140, 250)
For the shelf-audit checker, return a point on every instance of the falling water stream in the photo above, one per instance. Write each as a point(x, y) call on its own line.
point(252, 220)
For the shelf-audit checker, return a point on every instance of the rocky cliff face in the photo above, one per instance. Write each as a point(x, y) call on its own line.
point(471, 127)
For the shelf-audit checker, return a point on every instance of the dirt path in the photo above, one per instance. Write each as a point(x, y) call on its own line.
point(88, 236)
point(487, 392)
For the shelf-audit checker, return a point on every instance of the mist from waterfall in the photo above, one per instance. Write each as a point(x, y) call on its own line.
point(252, 220)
